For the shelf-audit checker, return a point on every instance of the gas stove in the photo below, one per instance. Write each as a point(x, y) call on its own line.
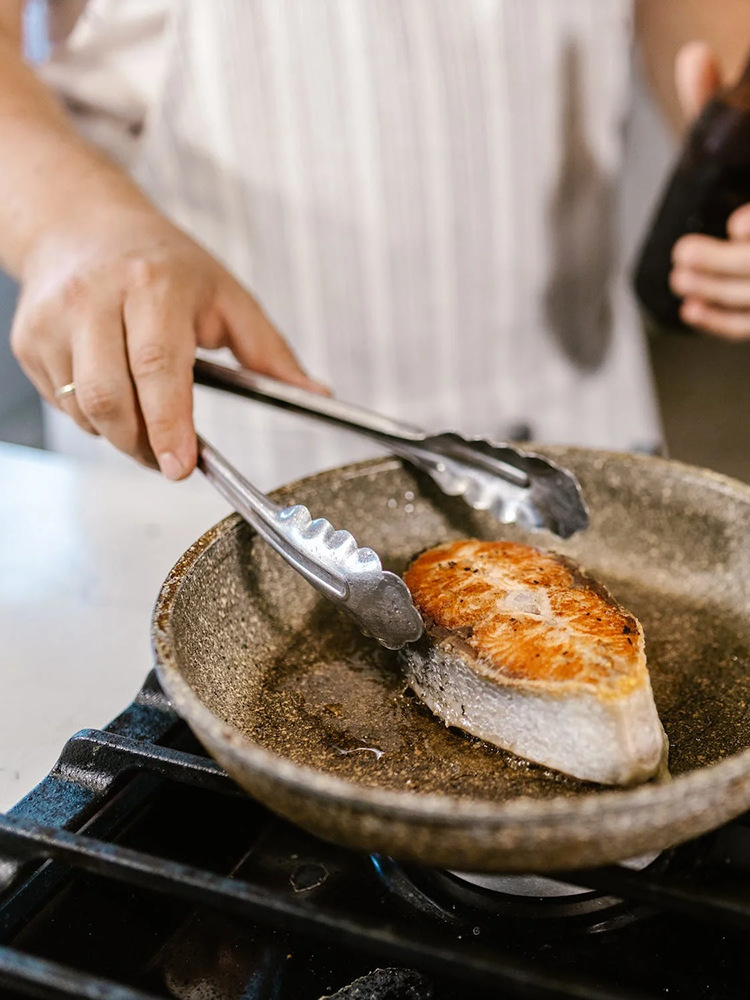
point(137, 870)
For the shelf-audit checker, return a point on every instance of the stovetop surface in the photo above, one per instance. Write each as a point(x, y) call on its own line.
point(137, 870)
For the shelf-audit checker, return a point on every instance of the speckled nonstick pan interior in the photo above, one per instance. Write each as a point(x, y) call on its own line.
point(316, 721)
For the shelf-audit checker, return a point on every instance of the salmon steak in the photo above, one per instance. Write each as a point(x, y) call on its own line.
point(523, 649)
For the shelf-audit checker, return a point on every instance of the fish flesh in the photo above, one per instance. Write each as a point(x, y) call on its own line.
point(523, 649)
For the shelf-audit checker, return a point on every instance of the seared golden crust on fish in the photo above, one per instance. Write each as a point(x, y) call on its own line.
point(528, 615)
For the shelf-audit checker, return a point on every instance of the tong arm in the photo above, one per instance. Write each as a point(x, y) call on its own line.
point(279, 526)
point(290, 397)
point(415, 445)
point(351, 577)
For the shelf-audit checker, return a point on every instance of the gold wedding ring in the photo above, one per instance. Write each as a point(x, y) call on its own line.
point(64, 391)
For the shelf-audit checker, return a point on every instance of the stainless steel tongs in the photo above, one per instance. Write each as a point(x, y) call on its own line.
point(349, 576)
point(514, 485)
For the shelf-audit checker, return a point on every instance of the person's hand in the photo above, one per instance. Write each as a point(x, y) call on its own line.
point(712, 276)
point(116, 305)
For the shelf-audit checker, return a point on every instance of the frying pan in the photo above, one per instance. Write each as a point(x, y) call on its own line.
point(316, 721)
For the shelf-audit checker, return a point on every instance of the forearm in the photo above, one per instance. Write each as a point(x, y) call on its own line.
point(114, 297)
point(48, 174)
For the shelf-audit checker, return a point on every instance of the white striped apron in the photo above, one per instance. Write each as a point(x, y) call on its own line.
point(421, 194)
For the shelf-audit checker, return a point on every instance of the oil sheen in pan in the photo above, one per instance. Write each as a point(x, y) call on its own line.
point(339, 704)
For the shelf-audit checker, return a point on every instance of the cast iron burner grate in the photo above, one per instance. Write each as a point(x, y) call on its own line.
point(137, 871)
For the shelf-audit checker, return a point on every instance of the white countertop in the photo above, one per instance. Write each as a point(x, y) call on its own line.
point(83, 552)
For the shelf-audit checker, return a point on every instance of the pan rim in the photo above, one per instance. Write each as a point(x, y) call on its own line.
point(409, 805)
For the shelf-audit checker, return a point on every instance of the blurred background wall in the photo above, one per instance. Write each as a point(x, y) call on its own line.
point(702, 383)
point(20, 411)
